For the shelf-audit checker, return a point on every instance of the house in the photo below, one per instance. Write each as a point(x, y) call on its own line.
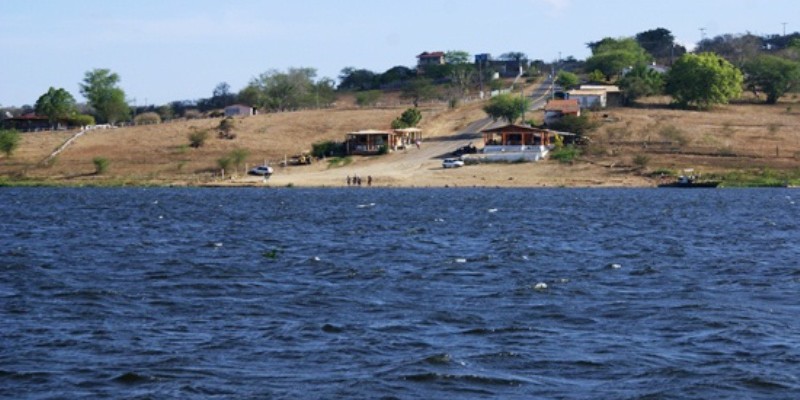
point(613, 93)
point(30, 122)
point(406, 137)
point(239, 110)
point(426, 59)
point(504, 68)
point(513, 142)
point(588, 98)
point(555, 109)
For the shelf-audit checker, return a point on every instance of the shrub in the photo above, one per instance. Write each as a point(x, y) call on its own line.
point(198, 138)
point(226, 128)
point(9, 141)
point(368, 97)
point(82, 120)
point(674, 134)
point(327, 149)
point(147, 118)
point(224, 163)
point(565, 154)
point(574, 124)
point(238, 156)
point(641, 161)
point(100, 165)
point(192, 114)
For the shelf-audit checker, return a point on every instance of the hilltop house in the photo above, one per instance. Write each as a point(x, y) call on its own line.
point(504, 68)
point(239, 110)
point(556, 109)
point(425, 59)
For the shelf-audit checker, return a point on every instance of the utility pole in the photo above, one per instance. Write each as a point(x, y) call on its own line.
point(702, 34)
point(784, 28)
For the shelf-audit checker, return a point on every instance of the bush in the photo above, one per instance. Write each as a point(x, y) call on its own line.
point(224, 163)
point(327, 149)
point(238, 156)
point(641, 161)
point(368, 97)
point(574, 124)
point(192, 114)
point(9, 141)
point(82, 120)
point(198, 138)
point(100, 165)
point(226, 128)
point(674, 134)
point(147, 118)
point(565, 154)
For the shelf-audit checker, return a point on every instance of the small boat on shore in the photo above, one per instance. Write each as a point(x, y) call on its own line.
point(689, 181)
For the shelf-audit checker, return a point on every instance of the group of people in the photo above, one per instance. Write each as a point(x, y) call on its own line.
point(356, 180)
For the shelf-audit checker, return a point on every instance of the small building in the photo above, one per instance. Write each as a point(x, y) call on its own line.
point(513, 142)
point(406, 137)
point(556, 109)
point(369, 141)
point(239, 110)
point(588, 98)
point(613, 93)
point(30, 122)
point(432, 58)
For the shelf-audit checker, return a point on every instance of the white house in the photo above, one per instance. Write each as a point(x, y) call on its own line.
point(239, 110)
point(588, 98)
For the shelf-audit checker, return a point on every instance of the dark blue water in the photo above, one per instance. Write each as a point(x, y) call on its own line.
point(434, 294)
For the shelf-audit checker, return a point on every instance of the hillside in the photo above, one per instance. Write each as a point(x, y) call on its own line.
point(735, 137)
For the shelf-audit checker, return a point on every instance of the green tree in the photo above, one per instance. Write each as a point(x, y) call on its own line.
point(703, 80)
point(285, 91)
point(82, 120)
point(455, 57)
point(641, 82)
point(507, 106)
point(567, 80)
point(56, 105)
point(737, 49)
point(409, 119)
point(418, 89)
point(9, 141)
point(611, 56)
point(772, 75)
point(108, 101)
point(351, 78)
point(660, 43)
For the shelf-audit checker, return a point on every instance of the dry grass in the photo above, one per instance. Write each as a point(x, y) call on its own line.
point(731, 137)
point(728, 137)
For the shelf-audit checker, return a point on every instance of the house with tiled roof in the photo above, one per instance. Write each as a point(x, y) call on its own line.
point(556, 109)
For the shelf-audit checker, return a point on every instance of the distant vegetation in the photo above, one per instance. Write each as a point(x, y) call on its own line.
point(9, 141)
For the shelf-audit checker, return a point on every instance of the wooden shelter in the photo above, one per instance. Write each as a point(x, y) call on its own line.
point(370, 141)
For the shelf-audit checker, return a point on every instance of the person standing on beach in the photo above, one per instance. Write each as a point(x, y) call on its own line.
point(369, 180)
point(348, 180)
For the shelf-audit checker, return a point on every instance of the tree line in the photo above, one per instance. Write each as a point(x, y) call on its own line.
point(717, 71)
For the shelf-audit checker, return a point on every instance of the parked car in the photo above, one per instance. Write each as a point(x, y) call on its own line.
point(452, 163)
point(261, 170)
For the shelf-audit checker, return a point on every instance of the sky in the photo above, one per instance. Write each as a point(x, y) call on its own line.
point(167, 50)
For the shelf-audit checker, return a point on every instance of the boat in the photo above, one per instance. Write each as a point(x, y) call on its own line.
point(689, 180)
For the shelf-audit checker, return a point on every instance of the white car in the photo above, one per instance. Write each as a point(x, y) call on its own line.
point(261, 170)
point(452, 163)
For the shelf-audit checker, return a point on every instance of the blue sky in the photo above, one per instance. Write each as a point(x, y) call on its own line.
point(173, 50)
